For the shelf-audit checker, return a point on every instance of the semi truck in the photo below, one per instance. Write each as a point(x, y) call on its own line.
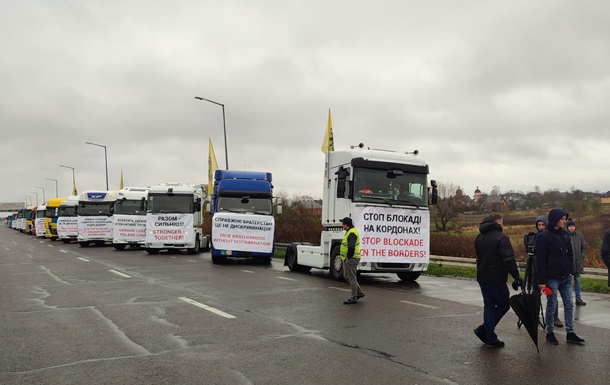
point(39, 220)
point(129, 218)
point(67, 219)
point(242, 215)
point(28, 219)
point(94, 213)
point(387, 196)
point(51, 217)
point(174, 219)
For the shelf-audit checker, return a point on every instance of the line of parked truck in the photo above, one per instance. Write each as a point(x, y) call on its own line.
point(387, 194)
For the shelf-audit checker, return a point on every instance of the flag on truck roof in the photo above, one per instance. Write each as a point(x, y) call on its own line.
point(74, 188)
point(212, 166)
point(121, 181)
point(329, 142)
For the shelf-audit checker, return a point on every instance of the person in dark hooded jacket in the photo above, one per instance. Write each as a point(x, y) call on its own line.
point(554, 259)
point(495, 260)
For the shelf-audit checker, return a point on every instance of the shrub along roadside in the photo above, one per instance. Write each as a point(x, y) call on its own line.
point(591, 285)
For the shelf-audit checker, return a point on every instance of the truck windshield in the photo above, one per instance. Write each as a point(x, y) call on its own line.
point(130, 207)
point(67, 211)
point(95, 208)
point(40, 213)
point(175, 204)
point(384, 186)
point(50, 212)
point(245, 205)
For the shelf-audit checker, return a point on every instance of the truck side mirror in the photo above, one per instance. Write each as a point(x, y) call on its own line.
point(342, 175)
point(198, 206)
point(434, 195)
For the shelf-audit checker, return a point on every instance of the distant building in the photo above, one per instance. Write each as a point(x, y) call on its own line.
point(7, 208)
point(477, 194)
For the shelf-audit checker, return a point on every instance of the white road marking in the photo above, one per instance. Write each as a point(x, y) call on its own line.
point(119, 273)
point(247, 271)
point(339, 288)
point(83, 259)
point(206, 307)
point(50, 245)
point(63, 251)
point(190, 260)
point(173, 257)
point(419, 304)
point(286, 278)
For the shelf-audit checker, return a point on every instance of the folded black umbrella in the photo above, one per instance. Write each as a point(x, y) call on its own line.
point(527, 308)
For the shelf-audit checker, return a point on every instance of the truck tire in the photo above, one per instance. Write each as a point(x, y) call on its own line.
point(264, 260)
point(153, 251)
point(291, 259)
point(65, 240)
point(219, 259)
point(83, 244)
point(197, 248)
point(119, 246)
point(336, 265)
point(409, 276)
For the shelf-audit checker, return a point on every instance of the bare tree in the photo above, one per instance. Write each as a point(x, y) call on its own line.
point(448, 207)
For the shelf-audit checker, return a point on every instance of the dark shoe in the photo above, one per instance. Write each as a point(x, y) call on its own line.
point(550, 338)
point(580, 302)
point(495, 345)
point(360, 296)
point(558, 323)
point(349, 301)
point(572, 338)
point(481, 336)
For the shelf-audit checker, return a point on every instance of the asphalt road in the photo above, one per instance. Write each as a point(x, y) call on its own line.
point(72, 315)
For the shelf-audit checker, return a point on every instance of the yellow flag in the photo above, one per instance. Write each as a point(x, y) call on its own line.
point(212, 166)
point(74, 189)
point(329, 142)
point(121, 182)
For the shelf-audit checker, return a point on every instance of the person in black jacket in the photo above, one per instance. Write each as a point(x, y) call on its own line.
point(554, 260)
point(605, 252)
point(495, 260)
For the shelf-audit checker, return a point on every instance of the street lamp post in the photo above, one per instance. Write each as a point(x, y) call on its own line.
point(224, 124)
point(34, 192)
point(44, 199)
point(105, 159)
point(56, 190)
point(28, 197)
point(73, 177)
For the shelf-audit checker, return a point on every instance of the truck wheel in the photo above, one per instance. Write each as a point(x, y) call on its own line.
point(83, 244)
point(65, 240)
point(336, 267)
point(219, 259)
point(409, 276)
point(291, 259)
point(197, 248)
point(119, 246)
point(264, 260)
point(152, 251)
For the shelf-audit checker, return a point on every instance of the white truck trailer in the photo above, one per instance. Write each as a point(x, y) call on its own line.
point(386, 194)
point(95, 221)
point(129, 218)
point(174, 219)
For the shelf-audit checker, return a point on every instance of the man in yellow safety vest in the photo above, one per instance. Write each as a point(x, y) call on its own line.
point(350, 257)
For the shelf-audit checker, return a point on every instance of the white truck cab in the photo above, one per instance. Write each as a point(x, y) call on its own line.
point(387, 196)
point(95, 221)
point(129, 218)
point(174, 219)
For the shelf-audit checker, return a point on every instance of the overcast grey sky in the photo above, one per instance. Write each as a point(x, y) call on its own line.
point(513, 94)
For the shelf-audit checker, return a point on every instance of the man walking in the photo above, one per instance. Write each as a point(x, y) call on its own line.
point(554, 259)
point(495, 260)
point(350, 256)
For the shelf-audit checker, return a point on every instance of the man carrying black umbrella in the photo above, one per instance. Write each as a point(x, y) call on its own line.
point(554, 259)
point(495, 260)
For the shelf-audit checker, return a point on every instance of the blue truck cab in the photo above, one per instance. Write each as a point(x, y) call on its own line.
point(242, 216)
